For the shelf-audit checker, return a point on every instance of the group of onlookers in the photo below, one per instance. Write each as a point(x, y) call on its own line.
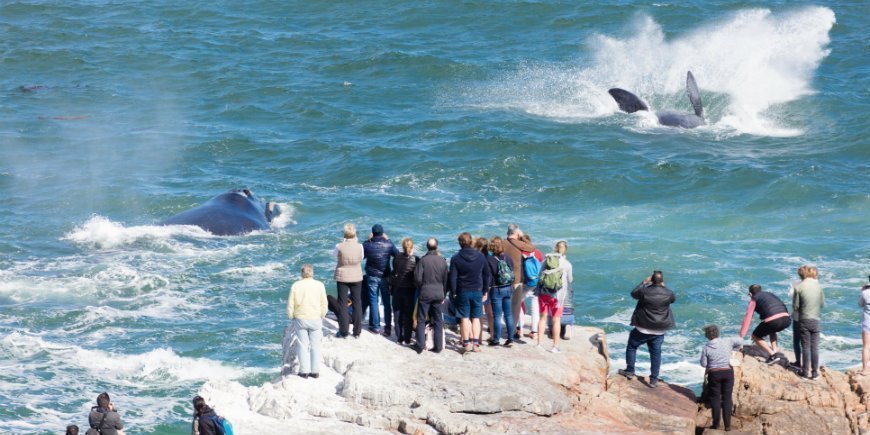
point(652, 317)
point(104, 419)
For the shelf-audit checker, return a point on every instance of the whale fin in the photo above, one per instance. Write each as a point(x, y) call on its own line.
point(628, 102)
point(694, 94)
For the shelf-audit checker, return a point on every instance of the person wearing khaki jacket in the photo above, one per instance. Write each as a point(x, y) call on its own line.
point(307, 306)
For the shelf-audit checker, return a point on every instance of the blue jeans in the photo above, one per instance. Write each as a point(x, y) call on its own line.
point(653, 343)
point(378, 285)
point(500, 298)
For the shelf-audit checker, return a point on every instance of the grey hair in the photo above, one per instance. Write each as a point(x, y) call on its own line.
point(307, 271)
point(711, 332)
point(512, 229)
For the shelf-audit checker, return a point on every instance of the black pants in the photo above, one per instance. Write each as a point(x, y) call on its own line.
point(355, 290)
point(721, 383)
point(796, 341)
point(433, 310)
point(810, 330)
point(403, 302)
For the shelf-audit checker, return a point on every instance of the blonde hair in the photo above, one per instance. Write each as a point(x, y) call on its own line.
point(561, 247)
point(307, 271)
point(495, 247)
point(807, 271)
point(349, 231)
point(408, 245)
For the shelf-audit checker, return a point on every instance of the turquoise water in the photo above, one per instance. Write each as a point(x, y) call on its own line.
point(430, 119)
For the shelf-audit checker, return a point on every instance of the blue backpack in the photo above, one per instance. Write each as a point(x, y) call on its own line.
point(531, 270)
point(222, 425)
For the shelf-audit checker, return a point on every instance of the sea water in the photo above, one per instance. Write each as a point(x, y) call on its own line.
point(430, 119)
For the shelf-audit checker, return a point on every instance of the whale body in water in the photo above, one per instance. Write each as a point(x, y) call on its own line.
point(630, 103)
point(232, 213)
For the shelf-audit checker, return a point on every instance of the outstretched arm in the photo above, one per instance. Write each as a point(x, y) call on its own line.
point(747, 318)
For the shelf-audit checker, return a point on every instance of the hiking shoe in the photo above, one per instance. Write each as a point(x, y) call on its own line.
point(653, 383)
point(375, 331)
point(795, 366)
point(433, 350)
point(387, 332)
point(303, 375)
point(314, 375)
point(555, 350)
point(629, 375)
point(417, 349)
point(815, 376)
point(356, 336)
point(492, 342)
point(516, 335)
point(772, 359)
point(508, 343)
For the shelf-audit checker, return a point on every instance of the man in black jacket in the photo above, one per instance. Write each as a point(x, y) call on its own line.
point(652, 317)
point(103, 417)
point(469, 277)
point(378, 251)
point(203, 418)
point(430, 276)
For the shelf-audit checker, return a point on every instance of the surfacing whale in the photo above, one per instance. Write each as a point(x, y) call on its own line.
point(232, 213)
point(630, 103)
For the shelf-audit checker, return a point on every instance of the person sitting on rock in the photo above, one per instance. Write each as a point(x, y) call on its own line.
point(774, 318)
point(652, 317)
point(716, 359)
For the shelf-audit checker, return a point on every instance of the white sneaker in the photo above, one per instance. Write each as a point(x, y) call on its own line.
point(555, 350)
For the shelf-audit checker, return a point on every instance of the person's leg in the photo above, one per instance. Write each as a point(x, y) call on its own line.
point(475, 328)
point(408, 326)
point(303, 350)
point(496, 298)
point(357, 306)
point(536, 314)
point(487, 308)
point(762, 344)
point(635, 338)
point(343, 318)
point(865, 351)
point(437, 320)
point(814, 343)
point(475, 303)
point(715, 384)
point(508, 315)
point(805, 345)
point(517, 301)
point(773, 346)
point(557, 326)
point(374, 285)
point(384, 290)
point(655, 356)
point(796, 342)
point(315, 334)
point(542, 325)
point(727, 391)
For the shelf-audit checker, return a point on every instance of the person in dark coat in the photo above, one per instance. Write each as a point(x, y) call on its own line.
point(652, 317)
point(430, 276)
point(469, 276)
point(378, 251)
point(203, 418)
point(404, 291)
point(104, 418)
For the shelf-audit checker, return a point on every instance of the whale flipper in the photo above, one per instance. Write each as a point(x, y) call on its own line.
point(628, 102)
point(694, 94)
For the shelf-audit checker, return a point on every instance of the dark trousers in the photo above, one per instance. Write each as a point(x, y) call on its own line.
point(432, 309)
point(653, 343)
point(355, 290)
point(796, 341)
point(721, 384)
point(403, 301)
point(810, 330)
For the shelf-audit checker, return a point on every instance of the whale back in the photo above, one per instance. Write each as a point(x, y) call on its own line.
point(230, 213)
point(694, 94)
point(679, 119)
point(628, 102)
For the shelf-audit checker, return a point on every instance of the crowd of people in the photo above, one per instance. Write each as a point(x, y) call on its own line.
point(491, 280)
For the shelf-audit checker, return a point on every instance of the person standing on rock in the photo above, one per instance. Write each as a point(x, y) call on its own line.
point(716, 359)
point(306, 307)
point(348, 278)
point(469, 273)
point(404, 290)
point(514, 247)
point(501, 269)
point(809, 300)
point(431, 276)
point(651, 319)
point(774, 318)
point(864, 303)
point(551, 302)
point(378, 250)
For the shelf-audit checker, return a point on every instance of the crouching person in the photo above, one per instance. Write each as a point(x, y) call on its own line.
point(716, 358)
point(307, 306)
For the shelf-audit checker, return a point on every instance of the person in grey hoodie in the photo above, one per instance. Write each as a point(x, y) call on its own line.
point(103, 417)
point(716, 358)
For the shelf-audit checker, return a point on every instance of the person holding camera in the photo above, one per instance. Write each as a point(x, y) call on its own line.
point(651, 319)
point(104, 418)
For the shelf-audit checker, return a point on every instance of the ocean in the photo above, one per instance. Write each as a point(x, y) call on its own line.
point(430, 118)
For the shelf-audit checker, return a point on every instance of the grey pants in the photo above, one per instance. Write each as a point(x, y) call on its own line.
point(810, 330)
point(309, 333)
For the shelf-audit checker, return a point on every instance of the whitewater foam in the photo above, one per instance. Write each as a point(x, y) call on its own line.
point(748, 66)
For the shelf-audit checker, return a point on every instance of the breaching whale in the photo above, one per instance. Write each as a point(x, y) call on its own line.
point(232, 213)
point(630, 103)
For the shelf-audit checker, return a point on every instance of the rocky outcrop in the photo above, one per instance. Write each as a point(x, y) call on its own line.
point(373, 385)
